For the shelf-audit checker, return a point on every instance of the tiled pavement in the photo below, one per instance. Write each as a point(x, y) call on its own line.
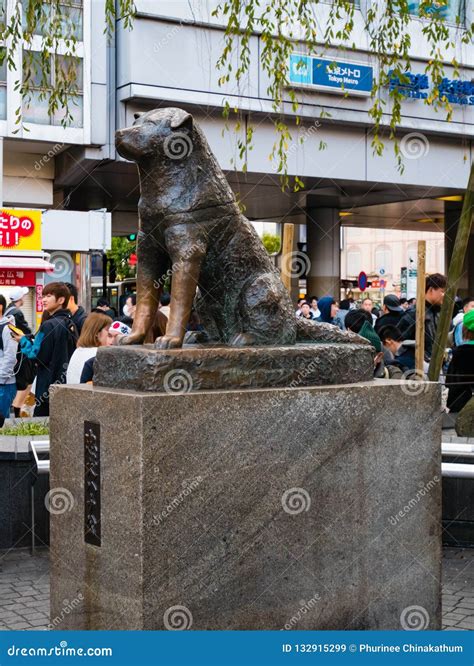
point(24, 589)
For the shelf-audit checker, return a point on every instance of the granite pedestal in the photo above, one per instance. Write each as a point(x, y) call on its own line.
point(300, 508)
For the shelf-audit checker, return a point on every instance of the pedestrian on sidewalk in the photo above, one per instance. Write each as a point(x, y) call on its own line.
point(460, 375)
point(392, 313)
point(329, 309)
point(95, 334)
point(78, 313)
point(435, 287)
point(54, 344)
point(8, 352)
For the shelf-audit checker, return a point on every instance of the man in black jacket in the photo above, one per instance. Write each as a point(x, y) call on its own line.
point(435, 287)
point(392, 313)
point(53, 346)
point(78, 313)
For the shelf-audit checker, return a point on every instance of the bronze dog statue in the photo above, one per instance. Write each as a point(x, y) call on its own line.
point(190, 226)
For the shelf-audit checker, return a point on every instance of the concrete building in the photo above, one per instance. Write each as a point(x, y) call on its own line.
point(29, 152)
point(382, 253)
point(169, 59)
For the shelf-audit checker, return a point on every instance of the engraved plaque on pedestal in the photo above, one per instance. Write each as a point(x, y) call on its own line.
point(92, 526)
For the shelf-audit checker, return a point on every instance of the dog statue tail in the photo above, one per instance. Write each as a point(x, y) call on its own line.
point(307, 330)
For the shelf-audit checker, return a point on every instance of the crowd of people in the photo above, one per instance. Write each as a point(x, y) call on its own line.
point(61, 351)
point(391, 330)
point(64, 347)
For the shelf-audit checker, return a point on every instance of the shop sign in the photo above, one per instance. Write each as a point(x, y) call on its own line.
point(330, 75)
point(13, 278)
point(413, 86)
point(410, 85)
point(39, 298)
point(20, 229)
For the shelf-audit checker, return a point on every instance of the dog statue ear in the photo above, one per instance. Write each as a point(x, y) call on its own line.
point(181, 119)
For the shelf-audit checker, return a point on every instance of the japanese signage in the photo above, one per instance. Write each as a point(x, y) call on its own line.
point(17, 278)
point(330, 75)
point(20, 229)
point(414, 86)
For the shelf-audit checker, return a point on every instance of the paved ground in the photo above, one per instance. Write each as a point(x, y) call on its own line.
point(24, 590)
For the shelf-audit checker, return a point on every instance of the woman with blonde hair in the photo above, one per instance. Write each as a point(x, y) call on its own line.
point(94, 334)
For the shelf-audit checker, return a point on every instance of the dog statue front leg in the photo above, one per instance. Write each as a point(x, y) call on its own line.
point(187, 250)
point(150, 266)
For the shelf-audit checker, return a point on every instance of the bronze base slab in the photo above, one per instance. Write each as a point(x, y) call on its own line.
point(204, 367)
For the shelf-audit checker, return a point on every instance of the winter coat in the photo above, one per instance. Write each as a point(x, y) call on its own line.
point(79, 318)
point(460, 377)
point(7, 353)
point(324, 305)
point(407, 326)
point(52, 348)
point(389, 319)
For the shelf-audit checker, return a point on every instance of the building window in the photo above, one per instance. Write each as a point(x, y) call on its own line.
point(453, 11)
point(3, 84)
point(354, 261)
point(41, 79)
point(68, 14)
point(383, 260)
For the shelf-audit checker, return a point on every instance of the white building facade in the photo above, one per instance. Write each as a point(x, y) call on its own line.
point(169, 59)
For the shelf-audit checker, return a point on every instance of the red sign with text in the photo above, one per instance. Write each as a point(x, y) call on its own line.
point(14, 278)
point(39, 298)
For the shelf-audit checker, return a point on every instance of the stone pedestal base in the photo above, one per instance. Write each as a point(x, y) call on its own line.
point(303, 508)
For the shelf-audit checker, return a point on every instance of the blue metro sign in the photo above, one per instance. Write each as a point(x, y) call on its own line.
point(330, 75)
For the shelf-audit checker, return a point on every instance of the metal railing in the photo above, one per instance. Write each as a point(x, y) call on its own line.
point(40, 451)
point(457, 470)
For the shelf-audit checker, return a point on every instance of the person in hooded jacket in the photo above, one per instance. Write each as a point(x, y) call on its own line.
point(53, 346)
point(460, 375)
point(8, 349)
point(328, 309)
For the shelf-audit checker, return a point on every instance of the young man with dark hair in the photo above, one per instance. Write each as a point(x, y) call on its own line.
point(54, 344)
point(403, 353)
point(78, 313)
point(435, 287)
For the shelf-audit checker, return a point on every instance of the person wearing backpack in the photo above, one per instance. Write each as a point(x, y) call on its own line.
point(8, 349)
point(14, 308)
point(53, 346)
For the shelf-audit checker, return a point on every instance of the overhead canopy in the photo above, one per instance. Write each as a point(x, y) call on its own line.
point(26, 264)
